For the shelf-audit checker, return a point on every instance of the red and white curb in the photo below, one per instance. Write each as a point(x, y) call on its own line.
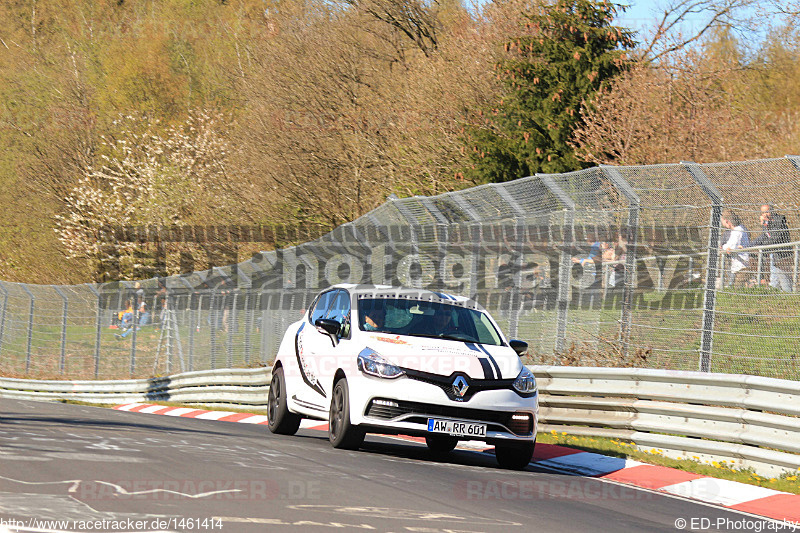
point(731, 494)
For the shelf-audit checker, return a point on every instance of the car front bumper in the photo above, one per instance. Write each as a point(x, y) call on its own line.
point(404, 405)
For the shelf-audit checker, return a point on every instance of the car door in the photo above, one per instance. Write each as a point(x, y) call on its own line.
point(308, 343)
point(318, 353)
point(329, 354)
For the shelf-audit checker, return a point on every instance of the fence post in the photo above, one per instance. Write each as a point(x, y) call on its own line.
point(565, 259)
point(230, 325)
point(709, 299)
point(515, 299)
point(3, 315)
point(97, 326)
point(213, 313)
point(413, 226)
point(631, 238)
point(795, 161)
point(30, 328)
point(473, 222)
point(63, 360)
point(134, 326)
point(191, 297)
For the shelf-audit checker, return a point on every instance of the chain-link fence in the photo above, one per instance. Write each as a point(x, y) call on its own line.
point(610, 266)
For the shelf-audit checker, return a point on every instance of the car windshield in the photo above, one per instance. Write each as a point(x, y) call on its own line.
point(426, 319)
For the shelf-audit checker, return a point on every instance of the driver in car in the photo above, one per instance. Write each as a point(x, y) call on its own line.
point(442, 322)
point(374, 319)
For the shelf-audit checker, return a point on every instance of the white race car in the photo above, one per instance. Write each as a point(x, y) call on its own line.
point(379, 359)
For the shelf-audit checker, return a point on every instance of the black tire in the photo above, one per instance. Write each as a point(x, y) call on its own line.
point(341, 432)
point(441, 443)
point(514, 456)
point(281, 421)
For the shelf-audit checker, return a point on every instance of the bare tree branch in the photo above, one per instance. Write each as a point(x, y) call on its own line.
point(670, 33)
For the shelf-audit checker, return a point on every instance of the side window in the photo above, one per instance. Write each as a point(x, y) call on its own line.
point(487, 334)
point(321, 306)
point(340, 310)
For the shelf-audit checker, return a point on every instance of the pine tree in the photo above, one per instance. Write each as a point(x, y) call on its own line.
point(567, 52)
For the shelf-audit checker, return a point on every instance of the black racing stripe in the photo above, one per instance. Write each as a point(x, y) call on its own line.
point(307, 381)
point(494, 363)
point(487, 368)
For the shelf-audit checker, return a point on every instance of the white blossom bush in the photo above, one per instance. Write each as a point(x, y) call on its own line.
point(146, 176)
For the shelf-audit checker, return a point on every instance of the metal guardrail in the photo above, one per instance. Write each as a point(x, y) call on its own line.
point(748, 421)
point(232, 387)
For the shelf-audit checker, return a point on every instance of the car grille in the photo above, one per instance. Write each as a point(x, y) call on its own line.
point(446, 383)
point(518, 423)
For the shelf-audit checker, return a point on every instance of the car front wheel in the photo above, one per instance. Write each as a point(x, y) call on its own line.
point(341, 432)
point(280, 420)
point(514, 456)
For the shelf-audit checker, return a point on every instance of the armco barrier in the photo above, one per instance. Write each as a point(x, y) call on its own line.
point(747, 421)
point(231, 387)
point(751, 422)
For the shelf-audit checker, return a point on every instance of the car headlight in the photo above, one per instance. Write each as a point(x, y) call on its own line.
point(525, 382)
point(369, 362)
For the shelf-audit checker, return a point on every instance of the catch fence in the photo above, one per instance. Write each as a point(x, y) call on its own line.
point(609, 266)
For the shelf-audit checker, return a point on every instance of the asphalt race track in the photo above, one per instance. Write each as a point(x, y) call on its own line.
point(100, 469)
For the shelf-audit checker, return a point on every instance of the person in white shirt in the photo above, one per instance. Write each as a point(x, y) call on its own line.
point(738, 238)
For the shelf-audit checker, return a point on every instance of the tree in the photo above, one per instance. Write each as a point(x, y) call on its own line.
point(416, 19)
point(148, 179)
point(569, 49)
point(707, 105)
point(344, 109)
point(671, 33)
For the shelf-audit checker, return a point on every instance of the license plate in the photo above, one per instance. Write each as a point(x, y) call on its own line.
point(456, 428)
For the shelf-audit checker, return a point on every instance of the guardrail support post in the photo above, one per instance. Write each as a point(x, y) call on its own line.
point(709, 300)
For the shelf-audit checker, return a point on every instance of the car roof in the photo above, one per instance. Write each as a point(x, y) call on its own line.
point(388, 291)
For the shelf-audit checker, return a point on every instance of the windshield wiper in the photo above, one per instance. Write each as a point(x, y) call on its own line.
point(456, 337)
point(460, 337)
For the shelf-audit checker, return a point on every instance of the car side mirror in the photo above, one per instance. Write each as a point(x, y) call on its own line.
point(330, 327)
point(518, 346)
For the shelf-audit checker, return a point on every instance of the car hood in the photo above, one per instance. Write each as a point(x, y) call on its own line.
point(444, 357)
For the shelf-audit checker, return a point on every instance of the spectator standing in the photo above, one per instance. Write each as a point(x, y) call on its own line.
point(138, 291)
point(775, 230)
point(144, 314)
point(738, 237)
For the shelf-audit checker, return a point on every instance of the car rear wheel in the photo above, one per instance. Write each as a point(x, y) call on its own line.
point(281, 421)
point(441, 443)
point(514, 456)
point(341, 432)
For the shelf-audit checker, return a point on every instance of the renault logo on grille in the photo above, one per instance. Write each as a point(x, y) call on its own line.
point(460, 386)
